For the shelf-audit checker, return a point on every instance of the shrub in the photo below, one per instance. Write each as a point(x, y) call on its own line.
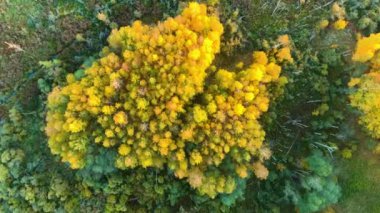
point(319, 190)
point(365, 15)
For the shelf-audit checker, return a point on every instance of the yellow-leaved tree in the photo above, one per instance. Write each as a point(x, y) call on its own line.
point(367, 94)
point(155, 99)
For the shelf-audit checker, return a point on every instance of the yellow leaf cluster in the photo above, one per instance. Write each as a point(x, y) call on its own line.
point(339, 13)
point(366, 48)
point(340, 24)
point(284, 53)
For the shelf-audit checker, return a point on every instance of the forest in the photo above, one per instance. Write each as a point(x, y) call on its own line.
point(190, 106)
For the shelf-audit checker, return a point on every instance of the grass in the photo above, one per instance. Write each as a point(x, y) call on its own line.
point(360, 182)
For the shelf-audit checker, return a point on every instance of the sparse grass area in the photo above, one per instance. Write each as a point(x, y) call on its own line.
point(21, 45)
point(33, 31)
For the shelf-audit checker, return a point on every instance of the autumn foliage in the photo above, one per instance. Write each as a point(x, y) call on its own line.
point(156, 100)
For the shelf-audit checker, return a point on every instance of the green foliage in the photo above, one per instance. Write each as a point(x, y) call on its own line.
point(318, 190)
point(365, 14)
point(230, 200)
point(319, 165)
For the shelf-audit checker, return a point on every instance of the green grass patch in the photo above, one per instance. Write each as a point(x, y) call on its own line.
point(360, 181)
